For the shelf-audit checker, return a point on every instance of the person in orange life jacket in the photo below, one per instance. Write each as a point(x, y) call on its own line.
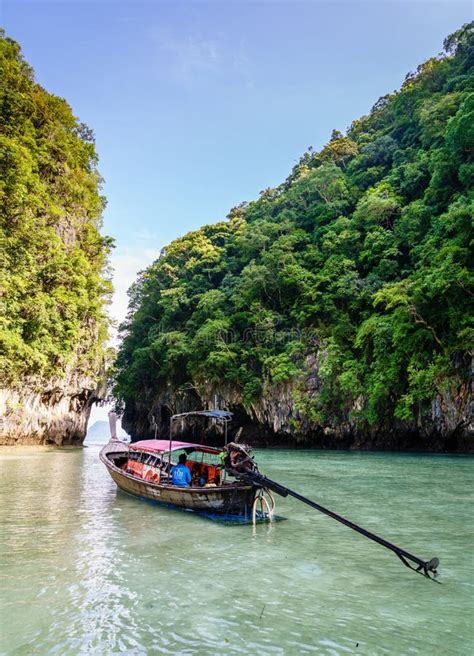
point(180, 474)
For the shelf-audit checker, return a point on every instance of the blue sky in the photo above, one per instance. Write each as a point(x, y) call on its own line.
point(197, 106)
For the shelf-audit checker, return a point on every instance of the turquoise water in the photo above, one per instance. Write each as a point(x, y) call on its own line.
point(85, 569)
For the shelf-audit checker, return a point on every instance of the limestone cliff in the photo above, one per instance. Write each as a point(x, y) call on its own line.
point(52, 271)
point(57, 414)
point(445, 425)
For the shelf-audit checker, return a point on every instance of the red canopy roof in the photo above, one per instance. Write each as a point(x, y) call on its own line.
point(162, 446)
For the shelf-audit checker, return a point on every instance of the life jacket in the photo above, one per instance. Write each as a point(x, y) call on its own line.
point(213, 475)
point(193, 467)
point(135, 468)
point(151, 474)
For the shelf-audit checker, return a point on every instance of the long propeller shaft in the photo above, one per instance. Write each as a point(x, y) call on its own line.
point(423, 566)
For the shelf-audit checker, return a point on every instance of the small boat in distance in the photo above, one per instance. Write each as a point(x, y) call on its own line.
point(143, 469)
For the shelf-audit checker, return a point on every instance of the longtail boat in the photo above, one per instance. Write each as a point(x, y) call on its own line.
point(224, 482)
point(143, 469)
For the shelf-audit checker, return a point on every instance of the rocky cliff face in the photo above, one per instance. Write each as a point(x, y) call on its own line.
point(57, 414)
point(274, 420)
point(53, 266)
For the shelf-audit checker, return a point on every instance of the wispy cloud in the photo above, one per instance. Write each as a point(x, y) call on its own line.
point(126, 263)
point(191, 58)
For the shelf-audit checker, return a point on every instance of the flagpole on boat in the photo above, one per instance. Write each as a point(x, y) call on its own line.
point(171, 446)
point(113, 426)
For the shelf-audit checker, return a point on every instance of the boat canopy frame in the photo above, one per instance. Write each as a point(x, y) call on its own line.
point(223, 416)
point(160, 447)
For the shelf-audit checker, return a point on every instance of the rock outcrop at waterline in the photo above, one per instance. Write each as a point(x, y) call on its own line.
point(55, 415)
point(445, 425)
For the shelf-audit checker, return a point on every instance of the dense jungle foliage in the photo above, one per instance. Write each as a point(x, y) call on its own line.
point(357, 267)
point(53, 256)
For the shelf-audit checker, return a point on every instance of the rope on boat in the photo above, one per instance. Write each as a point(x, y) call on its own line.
point(262, 499)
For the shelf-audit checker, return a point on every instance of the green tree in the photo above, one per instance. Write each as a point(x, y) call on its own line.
point(52, 276)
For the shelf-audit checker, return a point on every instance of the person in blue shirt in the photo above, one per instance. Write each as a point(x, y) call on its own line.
point(180, 474)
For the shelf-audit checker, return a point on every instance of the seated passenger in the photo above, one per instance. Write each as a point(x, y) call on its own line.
point(180, 474)
point(203, 475)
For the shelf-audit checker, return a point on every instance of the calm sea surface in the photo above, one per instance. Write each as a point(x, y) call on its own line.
point(85, 569)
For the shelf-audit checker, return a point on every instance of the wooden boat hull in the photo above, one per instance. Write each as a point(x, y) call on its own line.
point(231, 499)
